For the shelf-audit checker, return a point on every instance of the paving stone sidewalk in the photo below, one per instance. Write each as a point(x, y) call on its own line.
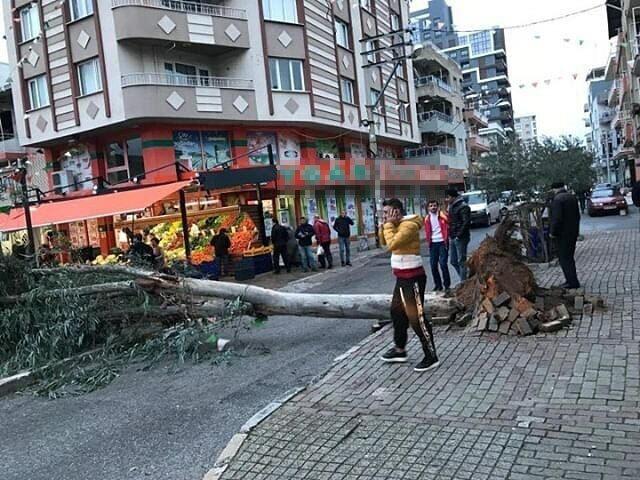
point(562, 405)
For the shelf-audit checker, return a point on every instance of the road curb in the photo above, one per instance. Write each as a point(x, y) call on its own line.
point(231, 450)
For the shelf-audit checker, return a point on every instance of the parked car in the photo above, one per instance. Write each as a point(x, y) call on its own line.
point(485, 208)
point(606, 200)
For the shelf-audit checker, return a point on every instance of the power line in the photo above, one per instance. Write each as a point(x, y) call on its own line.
point(522, 25)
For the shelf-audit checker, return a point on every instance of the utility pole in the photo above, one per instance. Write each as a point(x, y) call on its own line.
point(22, 171)
point(370, 122)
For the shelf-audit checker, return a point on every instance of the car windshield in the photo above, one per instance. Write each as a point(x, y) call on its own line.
point(475, 198)
point(603, 193)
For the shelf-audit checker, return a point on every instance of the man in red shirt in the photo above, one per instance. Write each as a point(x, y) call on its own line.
point(323, 236)
point(436, 226)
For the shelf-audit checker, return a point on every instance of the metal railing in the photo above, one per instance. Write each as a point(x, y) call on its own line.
point(184, 6)
point(435, 81)
point(434, 115)
point(429, 151)
point(175, 79)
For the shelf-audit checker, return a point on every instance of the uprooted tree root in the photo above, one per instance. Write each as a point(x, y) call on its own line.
point(501, 294)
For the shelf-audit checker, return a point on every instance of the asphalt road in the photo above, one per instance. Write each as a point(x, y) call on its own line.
point(171, 426)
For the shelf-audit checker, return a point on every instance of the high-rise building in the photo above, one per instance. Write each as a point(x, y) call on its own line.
point(482, 56)
point(526, 129)
point(128, 94)
point(435, 24)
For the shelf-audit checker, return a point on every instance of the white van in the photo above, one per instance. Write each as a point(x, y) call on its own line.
point(485, 208)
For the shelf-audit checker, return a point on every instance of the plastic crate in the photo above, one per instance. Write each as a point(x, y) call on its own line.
point(262, 263)
point(244, 269)
point(210, 270)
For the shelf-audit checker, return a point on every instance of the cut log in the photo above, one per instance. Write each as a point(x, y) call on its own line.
point(270, 302)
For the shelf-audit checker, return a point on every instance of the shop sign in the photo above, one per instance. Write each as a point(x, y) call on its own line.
point(289, 148)
point(201, 150)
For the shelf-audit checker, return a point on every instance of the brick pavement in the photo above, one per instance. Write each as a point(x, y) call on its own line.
point(553, 406)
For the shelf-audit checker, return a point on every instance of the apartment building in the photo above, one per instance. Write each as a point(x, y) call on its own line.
point(481, 55)
point(526, 129)
point(117, 92)
point(440, 115)
point(623, 71)
point(602, 137)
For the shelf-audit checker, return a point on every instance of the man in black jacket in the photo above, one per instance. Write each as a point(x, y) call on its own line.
point(459, 231)
point(342, 225)
point(221, 244)
point(565, 229)
point(279, 239)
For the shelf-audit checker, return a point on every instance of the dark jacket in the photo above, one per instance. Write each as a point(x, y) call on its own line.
point(459, 219)
point(635, 194)
point(221, 244)
point(279, 236)
point(341, 225)
point(565, 216)
point(304, 234)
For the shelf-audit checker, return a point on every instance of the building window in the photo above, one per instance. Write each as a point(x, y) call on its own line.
point(365, 4)
point(395, 22)
point(373, 97)
point(370, 46)
point(280, 10)
point(30, 22)
point(342, 33)
point(80, 8)
point(38, 92)
point(89, 77)
point(124, 160)
point(348, 94)
point(183, 74)
point(402, 112)
point(286, 74)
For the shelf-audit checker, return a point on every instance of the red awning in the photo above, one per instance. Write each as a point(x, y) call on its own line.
point(95, 206)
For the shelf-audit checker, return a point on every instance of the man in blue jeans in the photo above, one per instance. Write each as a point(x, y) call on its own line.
point(436, 227)
point(459, 231)
point(304, 235)
point(342, 225)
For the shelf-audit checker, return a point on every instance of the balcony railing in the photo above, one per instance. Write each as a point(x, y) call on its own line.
point(177, 80)
point(434, 115)
point(186, 7)
point(430, 151)
point(435, 81)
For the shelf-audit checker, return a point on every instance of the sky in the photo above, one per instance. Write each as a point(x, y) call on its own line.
point(559, 104)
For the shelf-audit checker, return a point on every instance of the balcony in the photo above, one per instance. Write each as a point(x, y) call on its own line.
point(163, 95)
point(478, 145)
point(436, 122)
point(433, 87)
point(438, 155)
point(159, 21)
point(636, 56)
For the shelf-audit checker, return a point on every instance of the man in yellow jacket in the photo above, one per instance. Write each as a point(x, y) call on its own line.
point(401, 235)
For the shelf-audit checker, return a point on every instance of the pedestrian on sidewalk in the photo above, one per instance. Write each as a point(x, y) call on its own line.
point(401, 235)
point(304, 235)
point(221, 244)
point(436, 227)
point(459, 231)
point(279, 240)
point(323, 237)
point(342, 225)
point(565, 229)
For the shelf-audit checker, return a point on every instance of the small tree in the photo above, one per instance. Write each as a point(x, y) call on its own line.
point(511, 165)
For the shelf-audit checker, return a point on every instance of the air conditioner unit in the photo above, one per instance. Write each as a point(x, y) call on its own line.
point(63, 181)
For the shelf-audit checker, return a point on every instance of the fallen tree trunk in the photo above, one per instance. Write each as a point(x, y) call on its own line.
point(270, 302)
point(264, 301)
